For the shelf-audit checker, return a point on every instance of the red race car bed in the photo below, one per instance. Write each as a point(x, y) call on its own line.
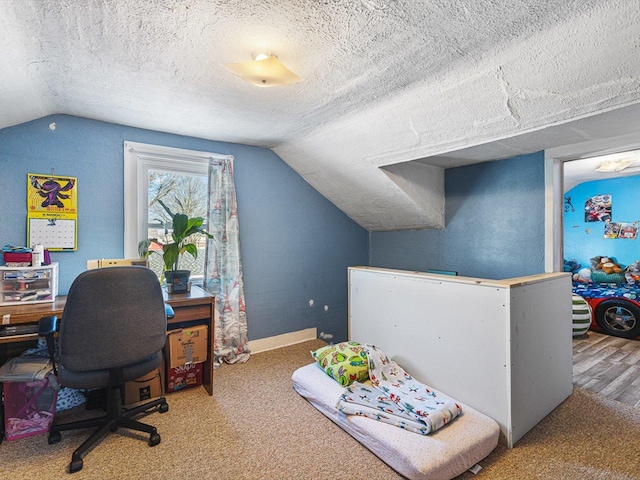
point(616, 307)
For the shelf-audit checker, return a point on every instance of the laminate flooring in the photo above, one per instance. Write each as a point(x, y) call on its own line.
point(608, 365)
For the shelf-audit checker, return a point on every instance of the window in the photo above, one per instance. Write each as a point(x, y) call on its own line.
point(179, 178)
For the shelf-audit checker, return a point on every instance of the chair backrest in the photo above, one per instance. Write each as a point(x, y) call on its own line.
point(113, 317)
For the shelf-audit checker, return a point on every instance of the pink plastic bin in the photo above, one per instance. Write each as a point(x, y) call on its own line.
point(28, 408)
point(17, 257)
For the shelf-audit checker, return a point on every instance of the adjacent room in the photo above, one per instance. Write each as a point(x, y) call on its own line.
point(600, 252)
point(235, 220)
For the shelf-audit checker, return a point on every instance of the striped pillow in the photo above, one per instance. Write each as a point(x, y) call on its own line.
point(581, 315)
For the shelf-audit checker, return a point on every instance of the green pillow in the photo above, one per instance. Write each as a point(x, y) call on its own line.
point(345, 362)
point(602, 277)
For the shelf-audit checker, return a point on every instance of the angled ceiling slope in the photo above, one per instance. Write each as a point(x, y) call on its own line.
point(394, 91)
point(534, 94)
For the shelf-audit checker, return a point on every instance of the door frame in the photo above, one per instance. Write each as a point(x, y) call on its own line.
point(554, 159)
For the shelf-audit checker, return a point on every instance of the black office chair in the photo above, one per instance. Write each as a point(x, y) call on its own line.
point(113, 329)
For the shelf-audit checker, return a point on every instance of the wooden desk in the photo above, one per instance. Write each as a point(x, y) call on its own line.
point(193, 308)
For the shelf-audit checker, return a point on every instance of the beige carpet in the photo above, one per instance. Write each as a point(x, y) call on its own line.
point(257, 427)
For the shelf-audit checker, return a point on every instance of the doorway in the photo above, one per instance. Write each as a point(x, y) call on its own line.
point(604, 364)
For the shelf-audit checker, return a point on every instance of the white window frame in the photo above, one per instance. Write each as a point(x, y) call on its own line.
point(139, 158)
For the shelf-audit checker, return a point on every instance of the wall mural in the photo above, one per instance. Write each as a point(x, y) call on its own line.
point(568, 206)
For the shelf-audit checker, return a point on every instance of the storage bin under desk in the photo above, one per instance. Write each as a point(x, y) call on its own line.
point(195, 307)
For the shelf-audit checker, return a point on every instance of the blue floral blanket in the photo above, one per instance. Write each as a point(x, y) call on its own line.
point(607, 290)
point(395, 397)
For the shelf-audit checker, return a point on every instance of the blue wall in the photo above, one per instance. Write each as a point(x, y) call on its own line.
point(582, 245)
point(295, 245)
point(494, 224)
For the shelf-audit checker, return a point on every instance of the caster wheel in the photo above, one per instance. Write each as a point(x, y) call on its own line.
point(54, 437)
point(154, 439)
point(164, 408)
point(75, 466)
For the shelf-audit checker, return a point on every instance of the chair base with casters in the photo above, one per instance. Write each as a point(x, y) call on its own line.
point(115, 418)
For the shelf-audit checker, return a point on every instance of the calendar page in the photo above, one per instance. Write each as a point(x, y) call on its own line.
point(53, 234)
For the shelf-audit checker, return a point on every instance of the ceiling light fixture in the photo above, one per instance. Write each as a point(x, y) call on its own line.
point(615, 165)
point(264, 71)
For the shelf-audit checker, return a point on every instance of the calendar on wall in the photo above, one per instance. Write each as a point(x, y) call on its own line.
point(52, 211)
point(53, 234)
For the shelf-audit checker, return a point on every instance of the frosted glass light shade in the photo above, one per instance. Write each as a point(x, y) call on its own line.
point(269, 72)
point(615, 166)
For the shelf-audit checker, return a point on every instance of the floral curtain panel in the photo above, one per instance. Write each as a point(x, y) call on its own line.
point(223, 270)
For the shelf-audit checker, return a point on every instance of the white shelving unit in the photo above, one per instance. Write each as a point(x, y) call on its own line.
point(21, 285)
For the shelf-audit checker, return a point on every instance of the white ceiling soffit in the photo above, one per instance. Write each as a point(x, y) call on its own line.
point(385, 82)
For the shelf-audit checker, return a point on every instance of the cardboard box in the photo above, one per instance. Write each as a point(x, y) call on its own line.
point(145, 388)
point(186, 345)
point(184, 376)
point(117, 262)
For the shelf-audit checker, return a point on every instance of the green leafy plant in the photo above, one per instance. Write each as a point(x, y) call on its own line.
point(183, 228)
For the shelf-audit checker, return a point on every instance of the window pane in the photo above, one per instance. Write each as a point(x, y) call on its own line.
point(181, 193)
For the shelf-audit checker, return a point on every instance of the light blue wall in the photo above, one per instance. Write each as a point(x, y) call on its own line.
point(494, 224)
point(582, 245)
point(295, 245)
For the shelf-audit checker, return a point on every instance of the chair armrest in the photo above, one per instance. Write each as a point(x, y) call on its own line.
point(47, 328)
point(47, 325)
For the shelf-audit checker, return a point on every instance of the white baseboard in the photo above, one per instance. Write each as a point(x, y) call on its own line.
point(284, 340)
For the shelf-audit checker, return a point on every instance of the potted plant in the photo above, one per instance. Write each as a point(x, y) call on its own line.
point(183, 228)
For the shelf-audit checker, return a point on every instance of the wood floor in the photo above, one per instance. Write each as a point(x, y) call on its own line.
point(608, 365)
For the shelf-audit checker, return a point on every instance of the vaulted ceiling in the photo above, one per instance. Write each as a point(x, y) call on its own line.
point(393, 91)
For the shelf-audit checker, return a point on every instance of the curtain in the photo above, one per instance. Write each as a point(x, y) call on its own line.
point(223, 270)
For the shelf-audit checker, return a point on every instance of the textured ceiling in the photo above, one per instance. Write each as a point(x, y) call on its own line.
point(386, 82)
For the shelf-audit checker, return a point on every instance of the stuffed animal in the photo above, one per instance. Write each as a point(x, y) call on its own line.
point(583, 276)
point(571, 266)
point(607, 265)
point(632, 273)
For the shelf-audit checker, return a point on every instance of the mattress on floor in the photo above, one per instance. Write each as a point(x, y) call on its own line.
point(443, 454)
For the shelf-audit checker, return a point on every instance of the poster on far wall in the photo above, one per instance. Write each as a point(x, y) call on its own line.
point(622, 230)
point(628, 231)
point(598, 208)
point(611, 229)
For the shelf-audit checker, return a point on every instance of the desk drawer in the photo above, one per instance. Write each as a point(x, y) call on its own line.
point(191, 312)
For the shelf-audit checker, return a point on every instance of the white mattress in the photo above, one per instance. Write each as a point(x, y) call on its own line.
point(443, 454)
